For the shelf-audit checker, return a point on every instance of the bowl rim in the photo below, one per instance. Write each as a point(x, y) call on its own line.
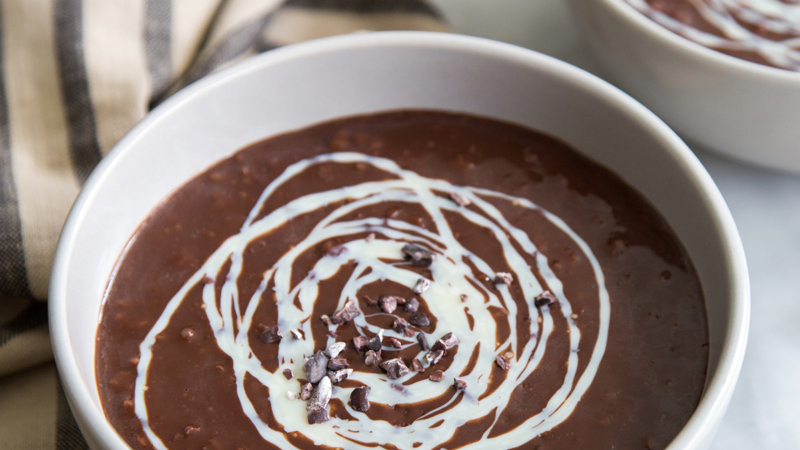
point(698, 51)
point(718, 387)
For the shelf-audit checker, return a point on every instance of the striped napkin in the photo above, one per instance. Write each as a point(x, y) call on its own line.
point(75, 76)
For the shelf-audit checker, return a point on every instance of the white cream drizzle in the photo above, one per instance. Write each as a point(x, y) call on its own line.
point(450, 278)
point(729, 15)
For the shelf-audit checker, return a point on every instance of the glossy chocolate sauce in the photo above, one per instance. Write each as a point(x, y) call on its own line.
point(293, 227)
point(760, 31)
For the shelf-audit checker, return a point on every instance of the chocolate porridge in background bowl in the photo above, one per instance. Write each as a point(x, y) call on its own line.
point(473, 281)
point(761, 31)
point(425, 241)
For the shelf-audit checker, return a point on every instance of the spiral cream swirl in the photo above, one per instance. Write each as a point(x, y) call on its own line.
point(732, 18)
point(450, 276)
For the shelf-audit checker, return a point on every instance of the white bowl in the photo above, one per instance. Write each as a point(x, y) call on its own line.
point(307, 83)
point(746, 110)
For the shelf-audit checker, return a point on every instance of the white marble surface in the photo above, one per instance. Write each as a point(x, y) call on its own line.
point(765, 410)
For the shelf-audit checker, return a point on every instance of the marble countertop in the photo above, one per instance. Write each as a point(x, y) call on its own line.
point(765, 409)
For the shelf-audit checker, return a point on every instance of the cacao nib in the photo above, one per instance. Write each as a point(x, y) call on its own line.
point(418, 255)
point(370, 301)
point(372, 357)
point(339, 375)
point(546, 298)
point(400, 325)
point(388, 304)
point(271, 335)
point(359, 400)
point(322, 394)
point(317, 415)
point(411, 306)
point(423, 342)
point(360, 342)
point(450, 340)
point(395, 368)
point(316, 366)
point(437, 376)
point(503, 362)
point(433, 357)
point(439, 345)
point(335, 348)
point(503, 278)
point(337, 364)
point(420, 320)
point(376, 343)
point(421, 286)
point(306, 391)
point(348, 312)
point(460, 199)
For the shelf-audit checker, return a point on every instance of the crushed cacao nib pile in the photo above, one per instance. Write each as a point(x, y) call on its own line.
point(324, 368)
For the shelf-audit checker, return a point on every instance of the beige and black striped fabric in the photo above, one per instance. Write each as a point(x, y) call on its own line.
point(75, 76)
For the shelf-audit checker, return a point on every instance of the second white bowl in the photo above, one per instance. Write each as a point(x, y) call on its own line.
point(743, 109)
